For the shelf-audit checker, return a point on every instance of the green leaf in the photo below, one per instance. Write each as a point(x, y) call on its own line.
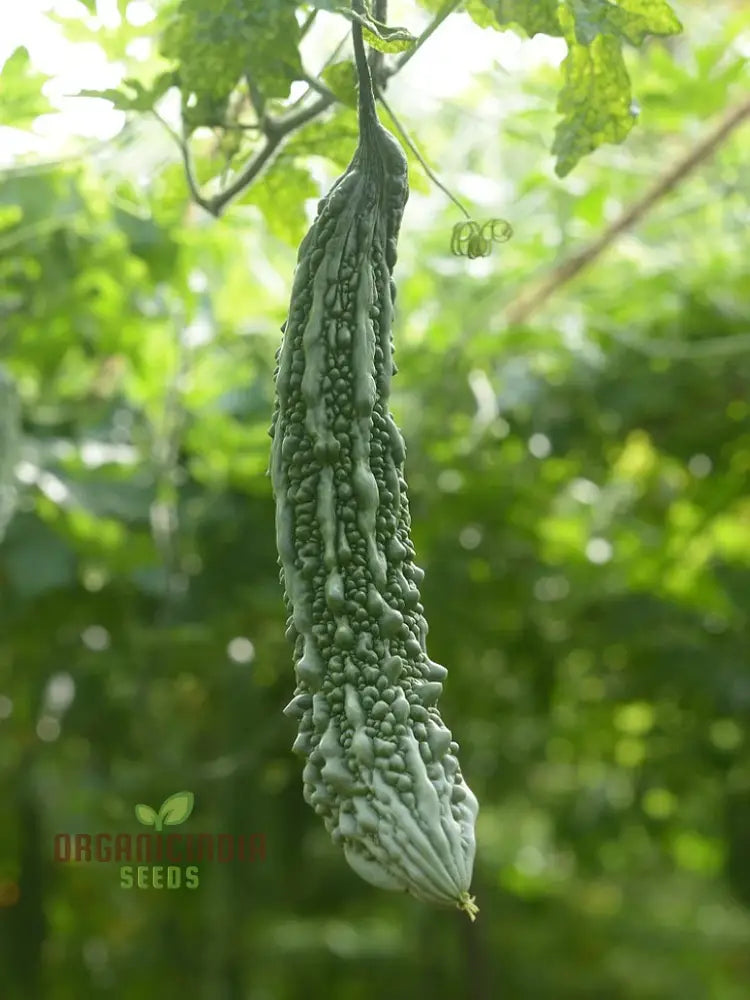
point(596, 98)
point(121, 100)
point(21, 99)
point(630, 20)
point(539, 18)
point(335, 139)
point(282, 186)
point(379, 36)
point(133, 95)
point(115, 37)
point(217, 44)
point(341, 79)
point(388, 39)
point(145, 814)
point(177, 808)
point(595, 101)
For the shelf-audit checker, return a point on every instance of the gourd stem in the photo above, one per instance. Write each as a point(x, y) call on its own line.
point(413, 148)
point(367, 113)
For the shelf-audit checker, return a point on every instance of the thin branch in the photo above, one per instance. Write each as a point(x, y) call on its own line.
point(405, 136)
point(256, 98)
point(276, 129)
point(241, 127)
point(404, 58)
point(325, 65)
point(335, 52)
point(166, 126)
point(195, 191)
point(307, 23)
point(187, 160)
point(527, 302)
point(380, 12)
point(318, 86)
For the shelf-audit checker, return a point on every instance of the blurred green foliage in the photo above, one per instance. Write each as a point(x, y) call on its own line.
point(579, 491)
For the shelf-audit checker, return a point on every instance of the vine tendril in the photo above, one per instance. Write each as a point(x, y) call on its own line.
point(470, 239)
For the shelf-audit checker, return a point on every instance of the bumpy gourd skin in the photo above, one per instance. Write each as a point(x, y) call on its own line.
point(381, 767)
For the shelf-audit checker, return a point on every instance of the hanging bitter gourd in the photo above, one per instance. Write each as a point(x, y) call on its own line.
point(381, 767)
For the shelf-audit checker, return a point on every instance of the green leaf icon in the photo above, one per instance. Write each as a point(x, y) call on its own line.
point(176, 809)
point(145, 814)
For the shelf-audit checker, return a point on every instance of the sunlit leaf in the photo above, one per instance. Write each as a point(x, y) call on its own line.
point(21, 98)
point(341, 79)
point(595, 101)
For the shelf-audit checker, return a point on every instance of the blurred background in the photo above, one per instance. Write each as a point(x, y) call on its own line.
point(578, 458)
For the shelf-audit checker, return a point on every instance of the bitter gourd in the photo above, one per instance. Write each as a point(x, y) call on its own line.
point(381, 767)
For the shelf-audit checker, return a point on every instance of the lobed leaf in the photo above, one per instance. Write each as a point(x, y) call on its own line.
point(538, 18)
point(380, 36)
point(595, 101)
point(133, 95)
point(630, 20)
point(21, 96)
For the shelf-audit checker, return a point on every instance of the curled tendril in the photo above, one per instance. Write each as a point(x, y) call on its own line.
point(478, 246)
point(462, 233)
point(471, 240)
point(500, 230)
